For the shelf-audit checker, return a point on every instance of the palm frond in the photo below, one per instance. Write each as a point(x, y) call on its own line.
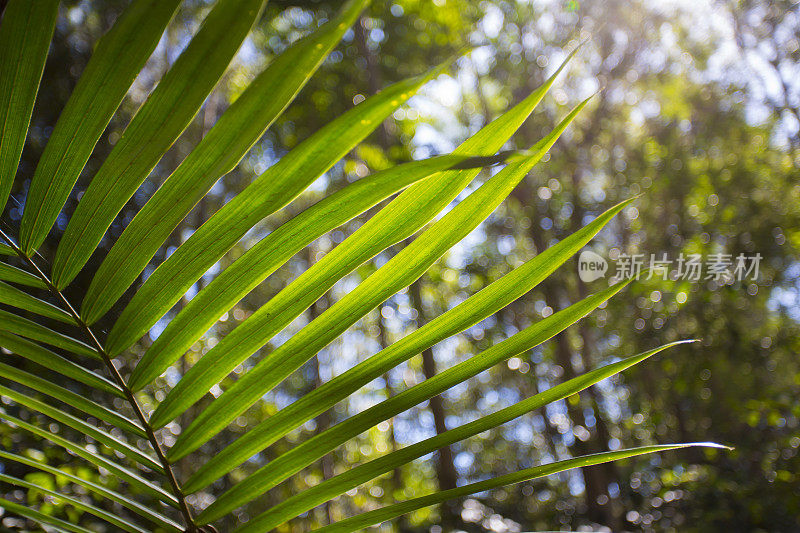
point(24, 39)
point(377, 516)
point(217, 154)
point(115, 63)
point(80, 397)
point(155, 127)
point(330, 488)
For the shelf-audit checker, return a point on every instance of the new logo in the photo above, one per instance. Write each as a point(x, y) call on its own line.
point(591, 266)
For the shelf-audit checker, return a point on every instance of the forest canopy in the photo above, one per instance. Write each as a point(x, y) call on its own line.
point(669, 142)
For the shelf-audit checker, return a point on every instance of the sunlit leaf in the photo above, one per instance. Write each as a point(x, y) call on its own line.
point(377, 516)
point(117, 59)
point(217, 154)
point(402, 217)
point(353, 477)
point(162, 118)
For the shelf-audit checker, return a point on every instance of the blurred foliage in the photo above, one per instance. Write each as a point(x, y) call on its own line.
point(692, 114)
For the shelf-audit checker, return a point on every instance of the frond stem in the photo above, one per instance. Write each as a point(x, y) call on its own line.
point(151, 436)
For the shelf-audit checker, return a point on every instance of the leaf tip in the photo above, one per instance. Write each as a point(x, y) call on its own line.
point(708, 444)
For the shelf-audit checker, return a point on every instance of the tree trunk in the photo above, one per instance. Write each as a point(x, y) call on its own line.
point(446, 475)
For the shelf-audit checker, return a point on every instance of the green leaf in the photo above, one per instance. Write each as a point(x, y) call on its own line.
point(72, 399)
point(88, 429)
point(399, 272)
point(160, 121)
point(403, 217)
point(31, 330)
point(7, 250)
point(92, 457)
point(78, 504)
point(24, 41)
point(16, 298)
point(359, 522)
point(486, 142)
point(52, 361)
point(17, 275)
point(274, 250)
point(217, 154)
point(476, 308)
point(317, 446)
point(42, 518)
point(276, 187)
point(353, 477)
point(118, 57)
point(99, 490)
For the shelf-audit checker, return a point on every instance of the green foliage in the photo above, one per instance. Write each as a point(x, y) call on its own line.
point(105, 420)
